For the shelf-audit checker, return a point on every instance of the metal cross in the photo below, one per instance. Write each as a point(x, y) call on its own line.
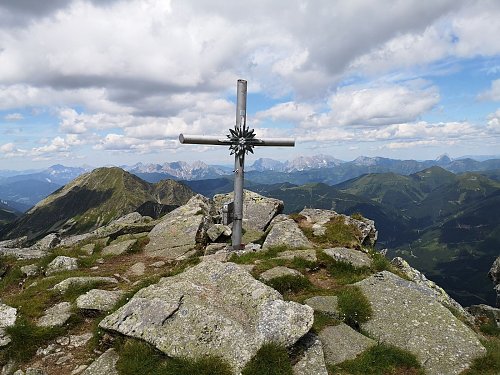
point(241, 140)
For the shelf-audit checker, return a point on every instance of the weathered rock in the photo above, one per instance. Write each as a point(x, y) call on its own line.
point(485, 311)
point(313, 359)
point(137, 269)
point(88, 248)
point(35, 371)
point(48, 242)
point(133, 218)
point(8, 316)
point(356, 258)
point(56, 315)
point(287, 233)
point(318, 217)
point(104, 365)
point(279, 271)
point(22, 253)
point(61, 263)
point(64, 285)
point(98, 299)
point(158, 264)
point(341, 343)
point(494, 275)
point(180, 230)
point(228, 312)
point(119, 248)
point(327, 305)
point(432, 288)
point(309, 255)
point(405, 315)
point(30, 270)
point(217, 230)
point(214, 247)
point(258, 211)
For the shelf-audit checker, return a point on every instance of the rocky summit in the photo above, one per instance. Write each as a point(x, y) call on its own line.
point(308, 295)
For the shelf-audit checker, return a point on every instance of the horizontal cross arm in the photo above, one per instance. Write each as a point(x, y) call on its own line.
point(286, 142)
point(203, 140)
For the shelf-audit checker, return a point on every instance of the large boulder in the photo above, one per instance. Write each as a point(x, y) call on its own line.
point(354, 257)
point(98, 299)
point(287, 233)
point(312, 361)
point(61, 263)
point(405, 315)
point(258, 211)
point(215, 309)
point(181, 230)
point(318, 218)
point(431, 288)
point(56, 315)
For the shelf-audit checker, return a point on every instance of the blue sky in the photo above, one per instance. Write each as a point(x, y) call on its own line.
point(102, 82)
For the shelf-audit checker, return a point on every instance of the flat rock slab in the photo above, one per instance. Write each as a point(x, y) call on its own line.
point(279, 271)
point(8, 316)
point(88, 248)
point(56, 315)
point(356, 258)
point(104, 365)
point(137, 269)
point(180, 230)
point(327, 305)
point(22, 253)
point(404, 315)
point(61, 263)
point(313, 359)
point(119, 248)
point(213, 309)
point(98, 299)
point(309, 255)
point(258, 211)
point(341, 343)
point(287, 233)
point(30, 270)
point(64, 285)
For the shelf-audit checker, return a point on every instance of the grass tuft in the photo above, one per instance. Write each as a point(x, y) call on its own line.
point(138, 357)
point(248, 258)
point(353, 306)
point(380, 359)
point(289, 284)
point(27, 338)
point(322, 320)
point(271, 359)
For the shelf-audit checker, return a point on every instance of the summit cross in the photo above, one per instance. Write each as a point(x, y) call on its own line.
point(241, 140)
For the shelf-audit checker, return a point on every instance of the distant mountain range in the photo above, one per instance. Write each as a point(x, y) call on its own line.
point(26, 188)
point(94, 199)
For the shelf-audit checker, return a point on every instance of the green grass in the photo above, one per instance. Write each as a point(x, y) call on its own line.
point(337, 233)
point(322, 320)
point(249, 258)
point(357, 216)
point(289, 284)
point(138, 357)
point(381, 359)
point(353, 306)
point(490, 329)
point(139, 245)
point(490, 363)
point(27, 338)
point(271, 359)
point(13, 274)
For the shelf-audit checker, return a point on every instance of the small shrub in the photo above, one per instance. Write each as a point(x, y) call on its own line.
point(289, 284)
point(271, 359)
point(380, 359)
point(357, 216)
point(27, 338)
point(137, 357)
point(353, 306)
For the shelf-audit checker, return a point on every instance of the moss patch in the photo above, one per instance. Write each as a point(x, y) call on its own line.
point(380, 359)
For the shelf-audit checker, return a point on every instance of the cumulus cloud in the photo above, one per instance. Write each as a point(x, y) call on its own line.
point(119, 142)
point(493, 93)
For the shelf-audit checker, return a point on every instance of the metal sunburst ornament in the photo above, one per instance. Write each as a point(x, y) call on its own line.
point(241, 140)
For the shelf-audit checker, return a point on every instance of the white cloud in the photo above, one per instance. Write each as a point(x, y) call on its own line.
point(494, 122)
point(493, 93)
point(423, 129)
point(118, 142)
point(421, 143)
point(14, 117)
point(386, 104)
point(10, 150)
point(289, 111)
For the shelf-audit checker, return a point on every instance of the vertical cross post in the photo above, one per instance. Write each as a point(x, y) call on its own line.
point(239, 164)
point(241, 140)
